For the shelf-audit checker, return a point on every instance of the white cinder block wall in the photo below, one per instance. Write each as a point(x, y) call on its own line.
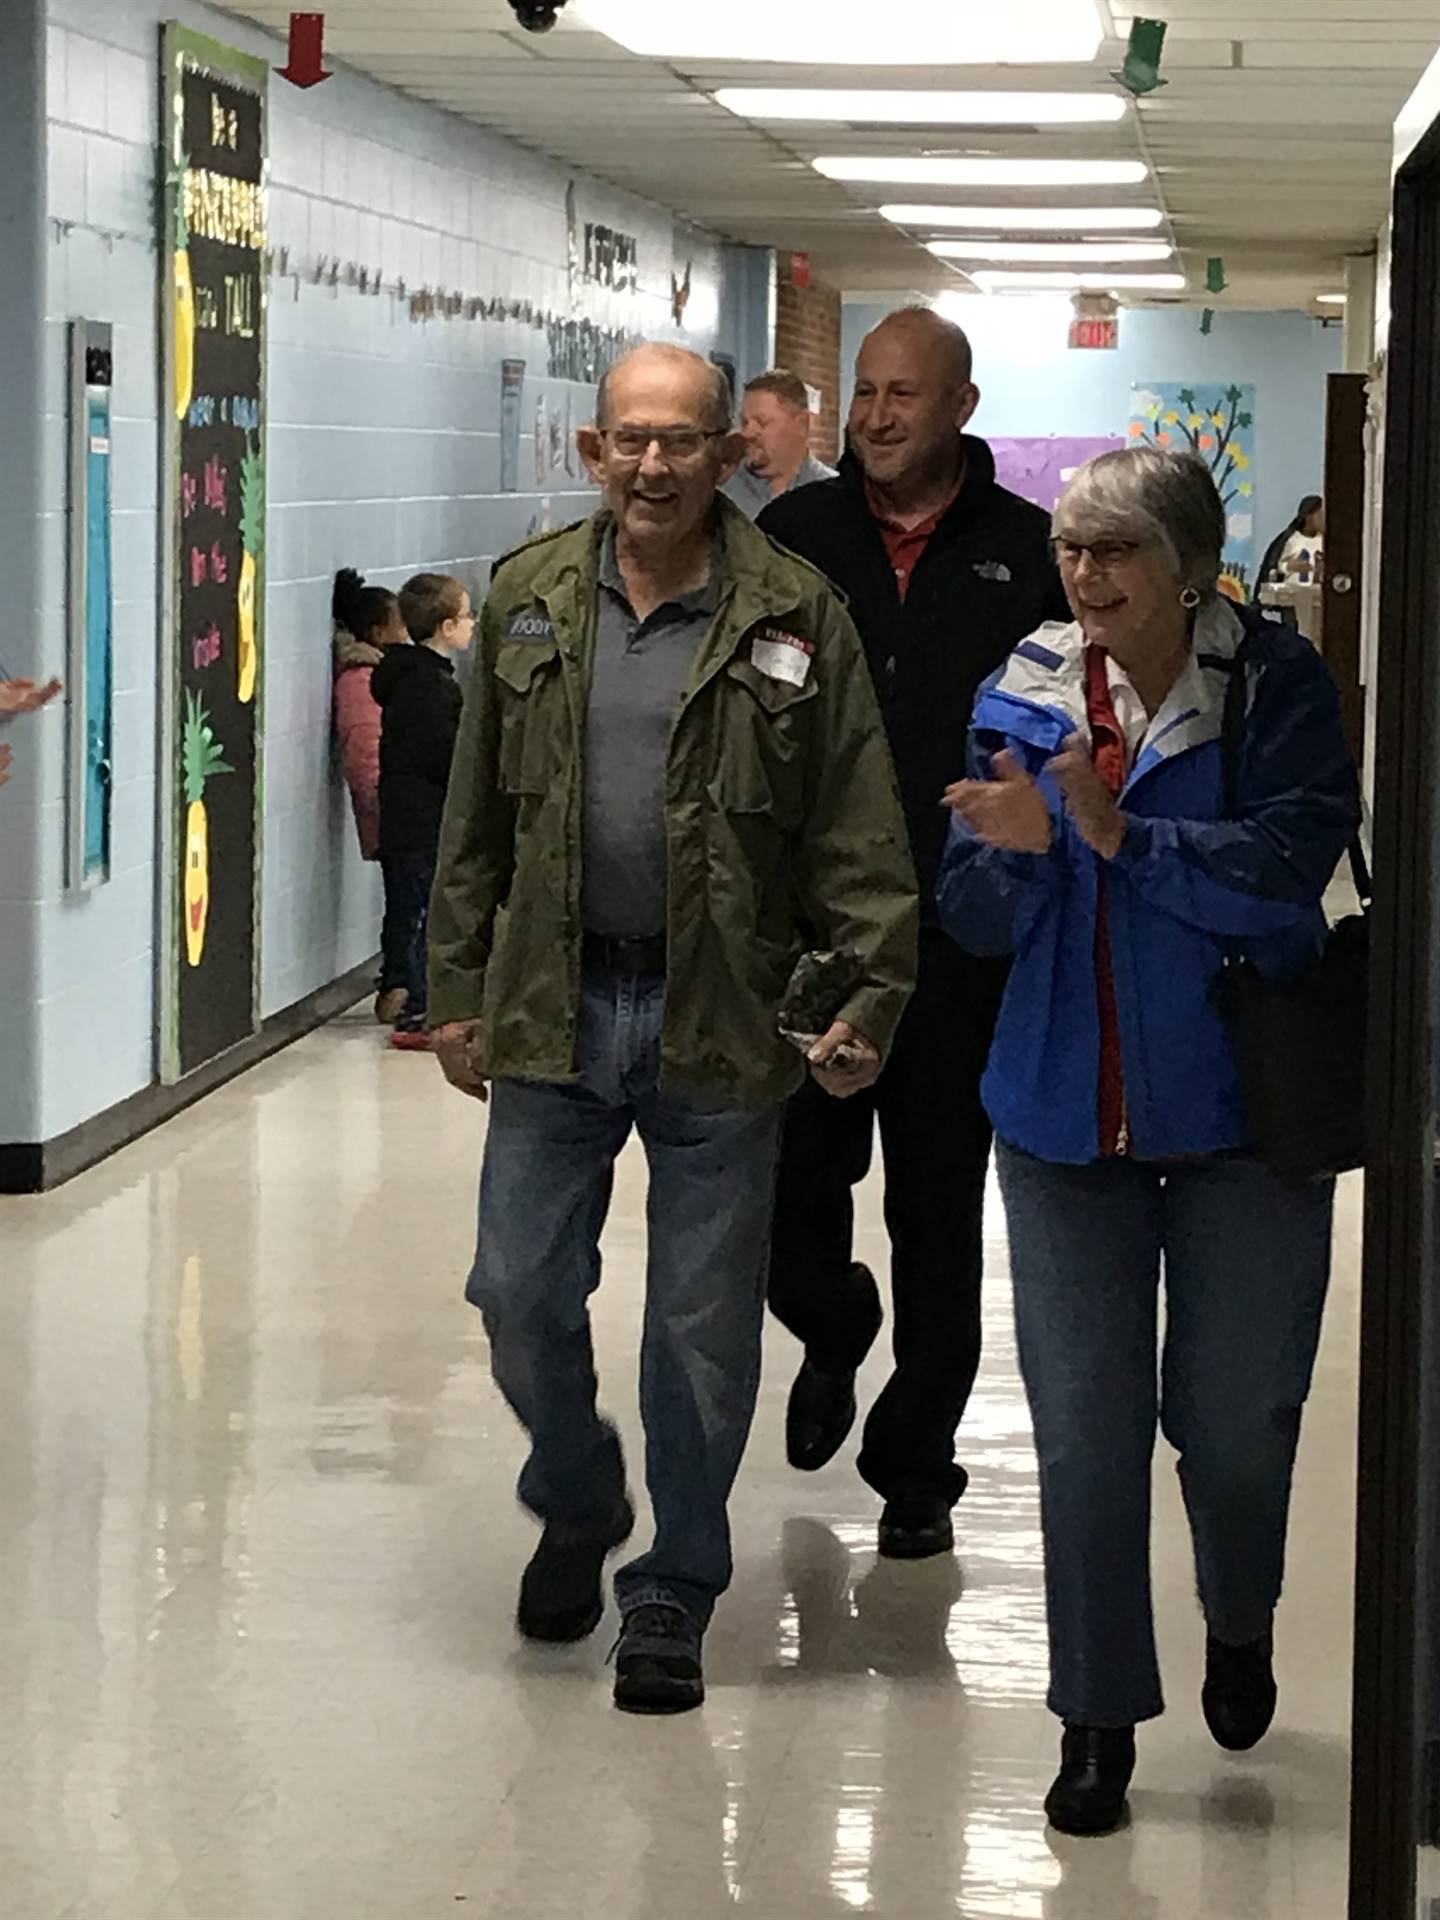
point(384, 453)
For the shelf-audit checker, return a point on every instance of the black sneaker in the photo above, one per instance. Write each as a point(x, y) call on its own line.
point(1088, 1797)
point(916, 1528)
point(657, 1661)
point(560, 1593)
point(1239, 1695)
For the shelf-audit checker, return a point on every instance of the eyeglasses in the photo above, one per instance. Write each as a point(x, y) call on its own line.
point(676, 444)
point(1105, 555)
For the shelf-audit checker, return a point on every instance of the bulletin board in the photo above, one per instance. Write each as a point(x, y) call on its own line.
point(213, 302)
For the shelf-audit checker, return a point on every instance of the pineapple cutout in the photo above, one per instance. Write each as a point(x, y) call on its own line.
point(203, 757)
point(252, 539)
point(184, 292)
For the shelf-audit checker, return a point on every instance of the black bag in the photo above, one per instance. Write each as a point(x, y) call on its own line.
point(1300, 1043)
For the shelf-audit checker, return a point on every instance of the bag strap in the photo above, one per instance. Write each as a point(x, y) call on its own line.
point(1232, 747)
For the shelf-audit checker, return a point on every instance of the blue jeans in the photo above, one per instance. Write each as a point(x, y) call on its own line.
point(544, 1193)
point(404, 947)
point(1246, 1255)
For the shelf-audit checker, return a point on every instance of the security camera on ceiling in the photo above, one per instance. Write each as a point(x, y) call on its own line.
point(537, 16)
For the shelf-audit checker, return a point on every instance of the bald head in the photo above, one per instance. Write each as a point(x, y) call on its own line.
point(931, 336)
point(914, 397)
point(695, 389)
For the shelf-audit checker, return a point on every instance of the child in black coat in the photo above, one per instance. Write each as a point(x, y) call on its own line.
point(419, 699)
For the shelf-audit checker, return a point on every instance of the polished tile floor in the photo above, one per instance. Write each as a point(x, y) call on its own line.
point(258, 1552)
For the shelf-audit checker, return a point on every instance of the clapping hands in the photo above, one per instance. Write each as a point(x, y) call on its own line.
point(1011, 812)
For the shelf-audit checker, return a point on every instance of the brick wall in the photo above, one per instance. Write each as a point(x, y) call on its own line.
point(807, 340)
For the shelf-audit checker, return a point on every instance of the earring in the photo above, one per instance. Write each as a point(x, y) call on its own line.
point(1190, 598)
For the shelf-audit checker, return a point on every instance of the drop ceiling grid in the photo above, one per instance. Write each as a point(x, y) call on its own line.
point(1272, 142)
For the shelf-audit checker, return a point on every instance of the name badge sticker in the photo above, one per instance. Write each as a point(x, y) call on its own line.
point(781, 656)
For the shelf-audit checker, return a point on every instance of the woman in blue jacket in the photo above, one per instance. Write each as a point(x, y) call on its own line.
point(1092, 842)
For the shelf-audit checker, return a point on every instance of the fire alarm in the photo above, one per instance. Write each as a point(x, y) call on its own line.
point(799, 269)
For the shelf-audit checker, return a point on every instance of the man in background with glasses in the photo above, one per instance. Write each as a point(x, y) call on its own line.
point(944, 572)
point(671, 777)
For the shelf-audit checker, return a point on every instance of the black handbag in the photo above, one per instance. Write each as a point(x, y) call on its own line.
point(1299, 1043)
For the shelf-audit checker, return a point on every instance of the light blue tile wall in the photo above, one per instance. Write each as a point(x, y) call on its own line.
point(384, 454)
point(1033, 384)
point(27, 815)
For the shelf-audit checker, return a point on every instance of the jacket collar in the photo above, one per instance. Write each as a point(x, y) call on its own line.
point(974, 494)
point(1039, 694)
point(759, 578)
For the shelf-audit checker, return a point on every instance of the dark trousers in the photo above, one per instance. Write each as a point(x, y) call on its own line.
point(409, 878)
point(935, 1141)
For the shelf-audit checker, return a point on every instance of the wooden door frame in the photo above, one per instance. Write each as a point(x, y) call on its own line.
point(1346, 410)
point(1398, 1200)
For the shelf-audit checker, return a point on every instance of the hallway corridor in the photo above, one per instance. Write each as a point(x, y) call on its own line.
point(258, 1558)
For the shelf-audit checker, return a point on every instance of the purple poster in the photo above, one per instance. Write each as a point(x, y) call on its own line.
point(1040, 469)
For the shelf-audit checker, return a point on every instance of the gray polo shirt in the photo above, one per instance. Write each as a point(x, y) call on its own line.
point(752, 496)
point(641, 669)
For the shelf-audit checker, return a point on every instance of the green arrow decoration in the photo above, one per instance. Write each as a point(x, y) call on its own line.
point(1215, 281)
point(1141, 71)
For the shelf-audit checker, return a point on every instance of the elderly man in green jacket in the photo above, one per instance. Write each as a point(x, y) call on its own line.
point(671, 779)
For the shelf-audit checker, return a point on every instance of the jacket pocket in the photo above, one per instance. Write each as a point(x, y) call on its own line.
point(531, 702)
point(760, 753)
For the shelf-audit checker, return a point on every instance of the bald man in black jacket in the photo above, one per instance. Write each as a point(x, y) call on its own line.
point(945, 573)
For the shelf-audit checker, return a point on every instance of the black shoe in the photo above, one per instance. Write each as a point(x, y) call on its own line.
point(1088, 1797)
point(657, 1662)
point(1239, 1694)
point(819, 1417)
point(560, 1593)
point(821, 1411)
point(916, 1529)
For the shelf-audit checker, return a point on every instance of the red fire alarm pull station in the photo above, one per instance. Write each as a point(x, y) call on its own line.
point(800, 270)
point(306, 66)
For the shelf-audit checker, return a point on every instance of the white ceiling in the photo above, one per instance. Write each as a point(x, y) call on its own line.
point(1271, 144)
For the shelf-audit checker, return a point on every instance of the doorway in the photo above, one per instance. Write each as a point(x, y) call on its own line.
point(1395, 1837)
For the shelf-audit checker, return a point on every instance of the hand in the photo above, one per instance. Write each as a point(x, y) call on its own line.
point(23, 696)
point(460, 1048)
point(7, 758)
point(856, 1067)
point(1098, 820)
point(1009, 811)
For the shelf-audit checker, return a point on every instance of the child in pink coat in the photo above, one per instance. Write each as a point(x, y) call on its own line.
point(367, 620)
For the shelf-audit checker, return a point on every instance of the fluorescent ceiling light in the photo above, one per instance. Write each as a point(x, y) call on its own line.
point(1331, 299)
point(964, 33)
point(1060, 251)
point(1080, 282)
point(939, 171)
point(913, 107)
point(1026, 219)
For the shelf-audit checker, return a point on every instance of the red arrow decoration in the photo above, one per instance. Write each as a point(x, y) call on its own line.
point(306, 67)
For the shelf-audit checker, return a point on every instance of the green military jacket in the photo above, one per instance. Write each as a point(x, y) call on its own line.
point(783, 822)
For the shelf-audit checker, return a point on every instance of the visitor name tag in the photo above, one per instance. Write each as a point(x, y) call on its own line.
point(781, 656)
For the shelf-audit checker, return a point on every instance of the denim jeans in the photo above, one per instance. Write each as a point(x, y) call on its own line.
point(544, 1193)
point(404, 952)
point(1246, 1255)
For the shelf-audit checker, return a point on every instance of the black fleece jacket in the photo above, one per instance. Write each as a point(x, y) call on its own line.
point(985, 582)
point(420, 701)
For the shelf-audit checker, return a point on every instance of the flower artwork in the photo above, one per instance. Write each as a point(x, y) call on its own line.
point(1217, 424)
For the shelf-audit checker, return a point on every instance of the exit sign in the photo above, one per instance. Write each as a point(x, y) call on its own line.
point(1102, 334)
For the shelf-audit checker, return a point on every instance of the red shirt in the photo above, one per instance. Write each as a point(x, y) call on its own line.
point(1108, 752)
point(905, 545)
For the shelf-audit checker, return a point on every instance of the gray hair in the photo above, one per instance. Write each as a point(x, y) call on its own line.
point(1155, 498)
point(717, 407)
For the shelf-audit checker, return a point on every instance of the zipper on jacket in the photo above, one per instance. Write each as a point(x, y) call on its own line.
point(1122, 1139)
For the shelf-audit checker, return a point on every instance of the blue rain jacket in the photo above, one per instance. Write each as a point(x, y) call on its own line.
point(1187, 883)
